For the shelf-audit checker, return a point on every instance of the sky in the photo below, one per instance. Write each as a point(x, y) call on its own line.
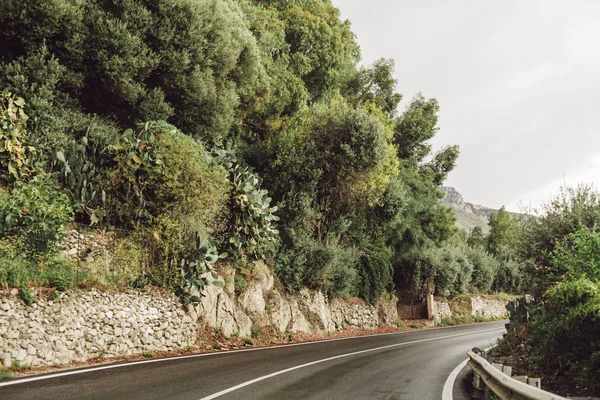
point(518, 84)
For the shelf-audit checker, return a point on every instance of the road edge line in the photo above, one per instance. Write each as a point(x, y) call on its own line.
point(449, 384)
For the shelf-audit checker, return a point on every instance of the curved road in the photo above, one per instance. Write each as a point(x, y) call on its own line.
point(407, 365)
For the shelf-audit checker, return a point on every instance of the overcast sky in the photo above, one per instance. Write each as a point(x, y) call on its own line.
point(518, 84)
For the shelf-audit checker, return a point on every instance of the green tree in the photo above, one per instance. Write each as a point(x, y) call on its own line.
point(477, 238)
point(502, 231)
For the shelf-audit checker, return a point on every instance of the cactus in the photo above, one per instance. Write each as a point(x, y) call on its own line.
point(192, 282)
point(80, 174)
point(252, 225)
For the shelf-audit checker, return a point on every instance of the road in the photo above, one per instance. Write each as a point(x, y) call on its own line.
point(409, 365)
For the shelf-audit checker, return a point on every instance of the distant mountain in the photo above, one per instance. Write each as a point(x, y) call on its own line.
point(467, 215)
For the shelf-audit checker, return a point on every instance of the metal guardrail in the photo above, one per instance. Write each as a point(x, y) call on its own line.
point(505, 387)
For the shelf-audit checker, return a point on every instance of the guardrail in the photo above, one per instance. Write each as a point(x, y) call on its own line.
point(505, 387)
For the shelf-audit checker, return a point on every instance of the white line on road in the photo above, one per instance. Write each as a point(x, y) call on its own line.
point(449, 385)
point(262, 378)
point(132, 363)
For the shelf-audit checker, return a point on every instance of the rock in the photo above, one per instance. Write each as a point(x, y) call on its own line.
point(7, 360)
point(280, 313)
point(252, 300)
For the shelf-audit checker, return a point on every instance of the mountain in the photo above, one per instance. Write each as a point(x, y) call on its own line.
point(467, 215)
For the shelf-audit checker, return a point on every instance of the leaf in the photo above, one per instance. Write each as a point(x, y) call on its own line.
point(60, 156)
point(223, 255)
point(214, 275)
point(218, 283)
point(20, 102)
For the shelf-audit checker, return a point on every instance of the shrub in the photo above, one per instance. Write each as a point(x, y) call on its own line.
point(16, 157)
point(375, 274)
point(37, 212)
point(330, 267)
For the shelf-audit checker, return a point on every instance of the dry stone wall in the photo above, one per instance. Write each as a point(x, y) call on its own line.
point(479, 307)
point(488, 308)
point(82, 325)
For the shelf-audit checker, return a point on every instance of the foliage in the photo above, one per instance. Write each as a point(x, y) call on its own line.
point(328, 266)
point(375, 271)
point(16, 158)
point(192, 282)
point(319, 141)
point(570, 309)
point(27, 295)
point(193, 63)
point(502, 231)
point(81, 173)
point(251, 229)
point(35, 211)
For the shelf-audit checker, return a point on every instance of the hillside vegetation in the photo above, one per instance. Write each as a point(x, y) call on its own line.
point(207, 131)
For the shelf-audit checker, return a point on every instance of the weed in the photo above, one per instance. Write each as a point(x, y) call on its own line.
point(399, 323)
point(216, 346)
point(149, 354)
point(5, 374)
point(26, 294)
point(254, 332)
point(415, 326)
point(17, 366)
point(236, 333)
point(247, 342)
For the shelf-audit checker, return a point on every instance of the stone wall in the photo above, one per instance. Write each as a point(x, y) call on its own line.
point(82, 325)
point(478, 307)
point(488, 308)
point(440, 309)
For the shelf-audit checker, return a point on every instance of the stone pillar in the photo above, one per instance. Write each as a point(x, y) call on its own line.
point(430, 306)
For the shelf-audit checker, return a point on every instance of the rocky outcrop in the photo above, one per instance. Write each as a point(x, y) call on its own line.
point(305, 311)
point(82, 325)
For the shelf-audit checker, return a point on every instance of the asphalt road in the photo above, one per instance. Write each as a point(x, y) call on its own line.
point(411, 365)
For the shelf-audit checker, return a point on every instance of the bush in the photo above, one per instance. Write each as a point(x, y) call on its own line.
point(37, 212)
point(330, 267)
point(569, 310)
point(375, 274)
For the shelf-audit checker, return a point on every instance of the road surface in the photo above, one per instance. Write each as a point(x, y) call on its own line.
point(408, 365)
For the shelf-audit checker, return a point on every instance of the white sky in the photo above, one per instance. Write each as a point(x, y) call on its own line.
point(518, 84)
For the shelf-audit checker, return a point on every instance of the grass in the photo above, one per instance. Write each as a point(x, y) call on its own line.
point(5, 373)
point(399, 323)
point(415, 326)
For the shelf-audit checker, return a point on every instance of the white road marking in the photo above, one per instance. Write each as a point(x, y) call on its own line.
point(449, 385)
point(127, 364)
point(262, 378)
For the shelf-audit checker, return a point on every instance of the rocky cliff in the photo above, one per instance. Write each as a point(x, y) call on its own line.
point(468, 215)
